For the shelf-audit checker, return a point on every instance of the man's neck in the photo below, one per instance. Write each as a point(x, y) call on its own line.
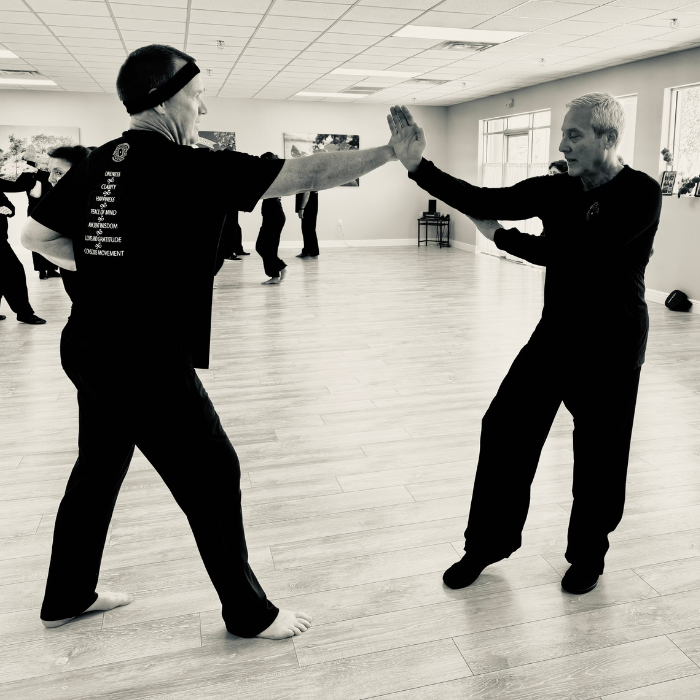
point(605, 174)
point(144, 122)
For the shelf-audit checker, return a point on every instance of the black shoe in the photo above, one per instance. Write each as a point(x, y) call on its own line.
point(32, 319)
point(233, 257)
point(580, 579)
point(2, 318)
point(466, 571)
point(243, 253)
point(43, 275)
point(53, 273)
point(305, 256)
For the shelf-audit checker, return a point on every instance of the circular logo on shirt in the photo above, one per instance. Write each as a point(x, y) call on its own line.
point(593, 211)
point(120, 152)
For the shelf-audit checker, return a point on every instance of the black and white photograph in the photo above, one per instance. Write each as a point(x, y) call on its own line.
point(264, 437)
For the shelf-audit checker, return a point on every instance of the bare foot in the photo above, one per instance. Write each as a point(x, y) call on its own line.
point(283, 274)
point(287, 624)
point(105, 601)
point(272, 280)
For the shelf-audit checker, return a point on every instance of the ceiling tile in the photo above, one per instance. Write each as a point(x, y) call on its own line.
point(569, 26)
point(381, 14)
point(70, 7)
point(239, 19)
point(326, 56)
point(366, 28)
point(547, 10)
point(515, 24)
point(478, 7)
point(619, 15)
point(544, 39)
point(450, 20)
point(92, 41)
point(354, 39)
point(13, 6)
point(38, 43)
point(85, 31)
point(307, 23)
point(18, 17)
point(650, 4)
point(23, 30)
point(409, 43)
point(291, 8)
point(147, 25)
point(390, 51)
point(205, 43)
point(277, 44)
point(159, 3)
point(149, 12)
point(404, 4)
point(76, 21)
point(219, 31)
point(260, 6)
point(632, 31)
point(286, 35)
point(686, 20)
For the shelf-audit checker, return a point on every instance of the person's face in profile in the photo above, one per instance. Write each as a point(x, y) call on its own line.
point(585, 152)
point(184, 110)
point(57, 169)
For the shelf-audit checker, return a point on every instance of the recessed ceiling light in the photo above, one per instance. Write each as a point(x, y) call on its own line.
point(4, 53)
point(481, 36)
point(381, 73)
point(21, 81)
point(327, 94)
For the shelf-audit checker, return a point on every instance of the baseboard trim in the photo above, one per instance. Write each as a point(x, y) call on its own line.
point(341, 243)
point(660, 297)
point(463, 246)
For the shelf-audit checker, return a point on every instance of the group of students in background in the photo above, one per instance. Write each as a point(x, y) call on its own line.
point(37, 182)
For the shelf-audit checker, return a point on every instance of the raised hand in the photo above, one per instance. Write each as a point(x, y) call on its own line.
point(407, 138)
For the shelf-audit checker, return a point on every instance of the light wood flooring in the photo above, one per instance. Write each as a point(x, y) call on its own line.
point(353, 394)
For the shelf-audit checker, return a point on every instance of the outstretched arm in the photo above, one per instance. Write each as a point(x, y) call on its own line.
point(49, 243)
point(522, 245)
point(512, 203)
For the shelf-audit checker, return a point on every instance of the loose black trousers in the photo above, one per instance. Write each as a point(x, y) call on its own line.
point(308, 226)
point(167, 413)
point(13, 281)
point(514, 429)
point(268, 243)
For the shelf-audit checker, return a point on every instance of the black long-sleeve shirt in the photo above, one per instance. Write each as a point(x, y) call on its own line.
point(5, 202)
point(596, 250)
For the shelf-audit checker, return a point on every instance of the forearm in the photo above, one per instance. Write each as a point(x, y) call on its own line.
point(522, 245)
point(322, 172)
point(13, 186)
point(54, 247)
point(511, 203)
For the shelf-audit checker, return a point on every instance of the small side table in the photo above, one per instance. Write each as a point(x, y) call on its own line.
point(442, 230)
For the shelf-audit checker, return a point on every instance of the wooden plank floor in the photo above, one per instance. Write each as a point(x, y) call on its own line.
point(353, 394)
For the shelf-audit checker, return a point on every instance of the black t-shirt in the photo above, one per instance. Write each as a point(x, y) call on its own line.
point(145, 216)
point(5, 202)
point(596, 250)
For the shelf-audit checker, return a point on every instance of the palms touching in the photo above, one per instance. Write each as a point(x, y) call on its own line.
point(407, 138)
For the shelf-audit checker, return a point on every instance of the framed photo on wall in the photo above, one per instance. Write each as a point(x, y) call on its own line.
point(668, 180)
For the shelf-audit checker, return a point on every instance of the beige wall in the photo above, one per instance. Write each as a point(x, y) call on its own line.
point(676, 263)
point(385, 206)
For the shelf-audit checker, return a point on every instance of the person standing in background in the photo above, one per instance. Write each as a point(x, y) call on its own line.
point(13, 281)
point(61, 160)
point(307, 208)
point(268, 243)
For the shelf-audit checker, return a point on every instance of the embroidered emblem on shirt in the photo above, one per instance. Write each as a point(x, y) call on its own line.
point(593, 211)
point(120, 152)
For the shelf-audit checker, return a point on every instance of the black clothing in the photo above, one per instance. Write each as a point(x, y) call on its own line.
point(514, 430)
point(130, 232)
point(308, 223)
point(70, 283)
point(268, 242)
point(230, 242)
point(586, 351)
point(135, 378)
point(13, 281)
point(594, 309)
point(167, 413)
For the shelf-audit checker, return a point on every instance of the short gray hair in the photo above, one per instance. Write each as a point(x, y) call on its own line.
point(607, 113)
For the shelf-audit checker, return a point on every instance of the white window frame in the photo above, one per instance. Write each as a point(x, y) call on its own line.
point(672, 131)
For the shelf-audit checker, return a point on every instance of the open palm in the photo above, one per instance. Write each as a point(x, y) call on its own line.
point(407, 138)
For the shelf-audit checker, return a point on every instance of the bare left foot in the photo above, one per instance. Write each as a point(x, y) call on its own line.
point(272, 280)
point(105, 601)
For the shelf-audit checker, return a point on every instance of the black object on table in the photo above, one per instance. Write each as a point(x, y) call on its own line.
point(442, 230)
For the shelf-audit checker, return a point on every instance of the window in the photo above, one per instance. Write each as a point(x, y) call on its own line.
point(684, 137)
point(514, 148)
point(626, 146)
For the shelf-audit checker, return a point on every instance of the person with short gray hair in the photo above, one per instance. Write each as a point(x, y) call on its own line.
point(588, 348)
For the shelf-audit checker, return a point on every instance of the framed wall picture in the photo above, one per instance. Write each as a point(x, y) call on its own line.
point(217, 140)
point(300, 145)
point(668, 180)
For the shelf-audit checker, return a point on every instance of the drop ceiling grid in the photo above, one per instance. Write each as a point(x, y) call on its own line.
point(276, 49)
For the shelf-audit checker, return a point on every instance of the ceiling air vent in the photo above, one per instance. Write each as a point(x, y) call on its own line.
point(424, 82)
point(21, 73)
point(463, 46)
point(360, 90)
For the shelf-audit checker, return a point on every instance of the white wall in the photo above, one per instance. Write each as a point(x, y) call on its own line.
point(676, 262)
point(385, 205)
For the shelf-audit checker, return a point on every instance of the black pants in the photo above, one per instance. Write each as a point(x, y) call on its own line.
point(514, 429)
point(268, 242)
point(41, 264)
point(13, 281)
point(308, 227)
point(167, 413)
